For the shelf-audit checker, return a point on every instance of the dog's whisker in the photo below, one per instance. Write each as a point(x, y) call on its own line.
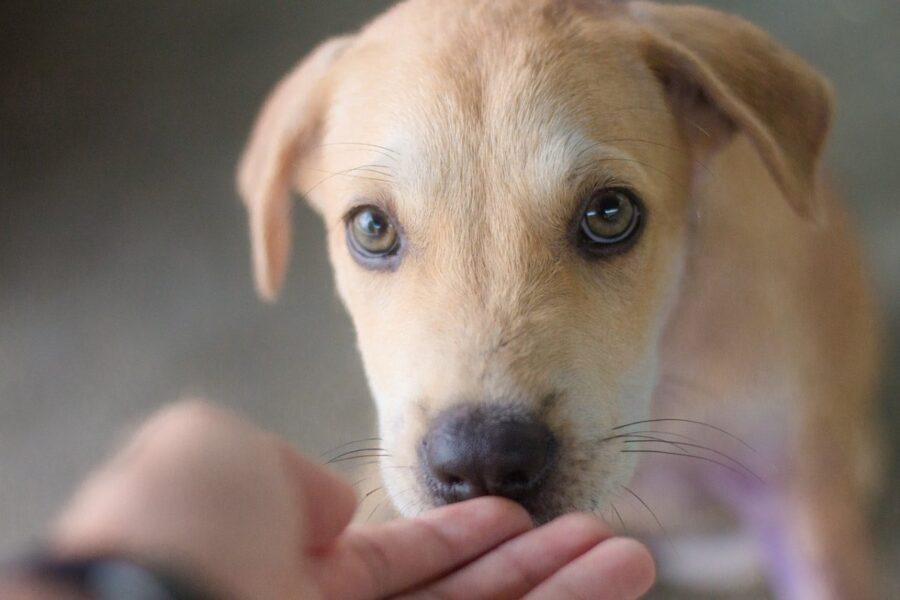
point(639, 435)
point(368, 448)
point(629, 438)
point(689, 421)
point(377, 506)
point(682, 445)
point(349, 453)
point(390, 151)
point(362, 177)
point(378, 153)
point(669, 433)
point(387, 176)
point(383, 171)
point(377, 169)
point(348, 444)
point(353, 452)
point(698, 457)
point(380, 487)
point(615, 510)
point(387, 496)
point(649, 510)
point(650, 439)
point(371, 494)
point(645, 434)
point(360, 457)
point(337, 174)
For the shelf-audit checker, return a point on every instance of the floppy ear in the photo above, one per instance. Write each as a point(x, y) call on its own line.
point(284, 131)
point(722, 74)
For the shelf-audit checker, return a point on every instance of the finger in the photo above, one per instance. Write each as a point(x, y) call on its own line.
point(326, 502)
point(374, 562)
point(617, 569)
point(174, 444)
point(521, 564)
point(205, 492)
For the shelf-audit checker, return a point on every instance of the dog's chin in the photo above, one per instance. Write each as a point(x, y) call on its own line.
point(542, 516)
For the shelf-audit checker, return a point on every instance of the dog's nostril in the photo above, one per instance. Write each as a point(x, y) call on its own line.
point(478, 451)
point(453, 480)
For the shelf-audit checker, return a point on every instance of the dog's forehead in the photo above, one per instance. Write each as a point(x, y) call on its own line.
point(523, 107)
point(492, 13)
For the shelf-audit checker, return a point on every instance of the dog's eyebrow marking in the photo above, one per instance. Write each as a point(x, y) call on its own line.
point(593, 153)
point(369, 168)
point(603, 151)
point(375, 169)
point(569, 158)
point(392, 153)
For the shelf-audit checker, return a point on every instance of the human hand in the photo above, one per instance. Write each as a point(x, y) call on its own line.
point(240, 512)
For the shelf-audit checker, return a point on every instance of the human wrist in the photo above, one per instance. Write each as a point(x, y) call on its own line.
point(110, 577)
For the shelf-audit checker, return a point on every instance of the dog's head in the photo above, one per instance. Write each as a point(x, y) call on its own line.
point(506, 186)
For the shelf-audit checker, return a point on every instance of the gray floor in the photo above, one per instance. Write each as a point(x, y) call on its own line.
point(124, 276)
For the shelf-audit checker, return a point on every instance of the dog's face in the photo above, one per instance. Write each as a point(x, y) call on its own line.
point(511, 249)
point(505, 187)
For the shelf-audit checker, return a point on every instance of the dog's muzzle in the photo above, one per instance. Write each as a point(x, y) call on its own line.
point(487, 450)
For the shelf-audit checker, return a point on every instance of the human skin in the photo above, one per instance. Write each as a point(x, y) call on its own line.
point(238, 510)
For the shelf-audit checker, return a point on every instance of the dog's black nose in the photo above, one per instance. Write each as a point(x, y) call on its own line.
point(474, 451)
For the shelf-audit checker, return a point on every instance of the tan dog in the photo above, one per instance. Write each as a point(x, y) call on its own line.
point(572, 233)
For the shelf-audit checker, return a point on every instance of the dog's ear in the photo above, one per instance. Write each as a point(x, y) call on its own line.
point(723, 74)
point(286, 128)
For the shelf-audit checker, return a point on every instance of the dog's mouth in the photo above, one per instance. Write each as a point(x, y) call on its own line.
point(491, 450)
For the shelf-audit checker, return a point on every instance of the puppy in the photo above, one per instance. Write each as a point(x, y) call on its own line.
point(576, 233)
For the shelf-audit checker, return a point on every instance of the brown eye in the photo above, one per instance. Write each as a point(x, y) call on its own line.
point(611, 216)
point(372, 234)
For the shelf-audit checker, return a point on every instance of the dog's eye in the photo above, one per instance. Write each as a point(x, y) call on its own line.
point(611, 216)
point(372, 234)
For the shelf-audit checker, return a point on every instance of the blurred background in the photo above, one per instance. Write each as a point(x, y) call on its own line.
point(124, 269)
